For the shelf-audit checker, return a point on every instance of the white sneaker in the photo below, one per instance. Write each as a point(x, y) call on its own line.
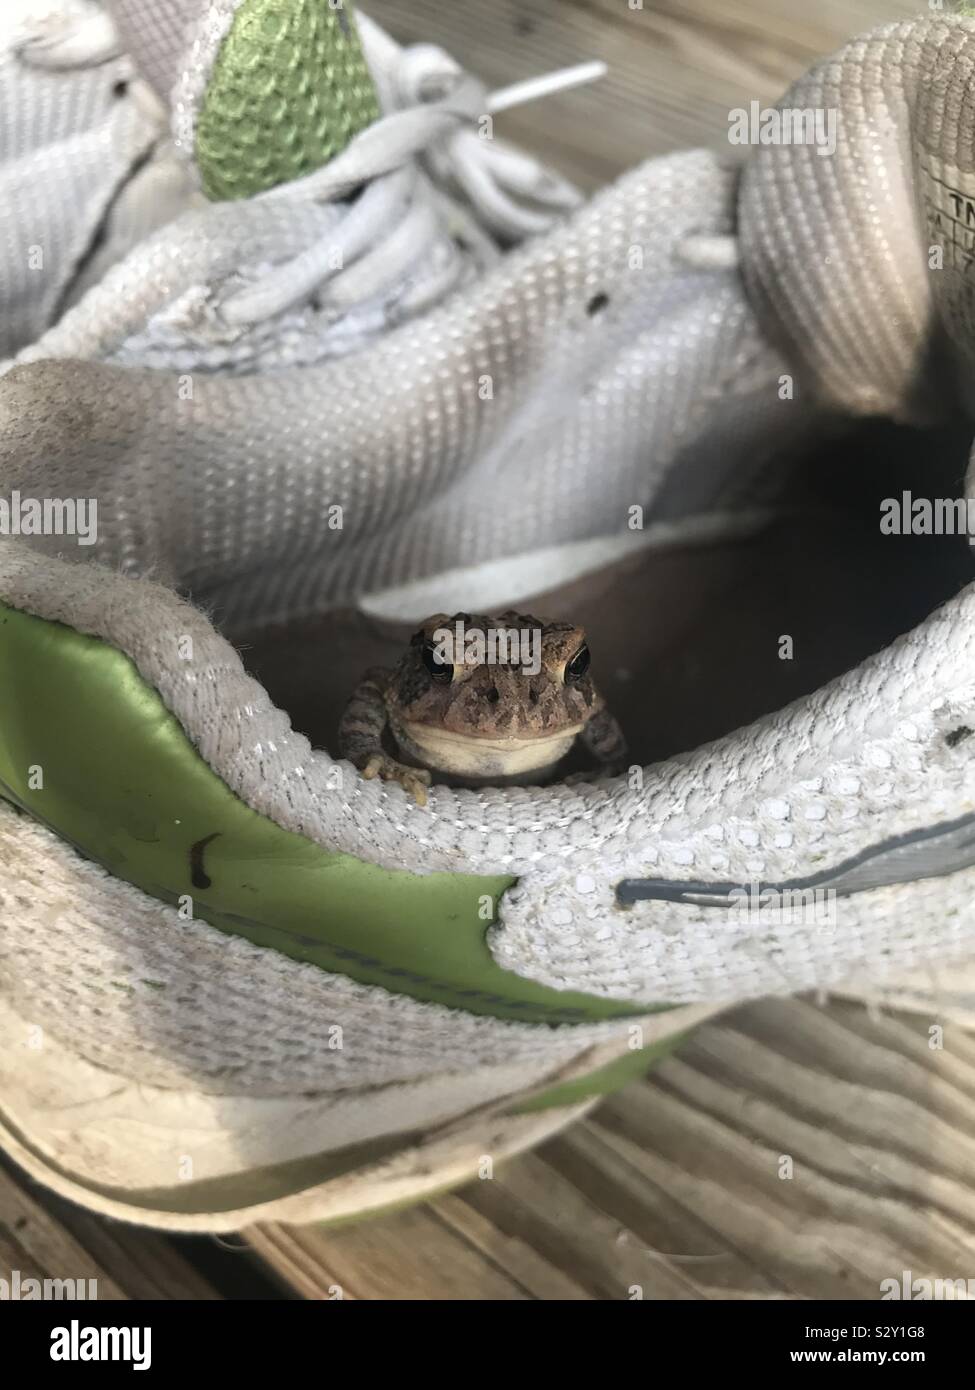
point(343, 996)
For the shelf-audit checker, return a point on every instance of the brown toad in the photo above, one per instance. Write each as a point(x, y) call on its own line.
point(477, 700)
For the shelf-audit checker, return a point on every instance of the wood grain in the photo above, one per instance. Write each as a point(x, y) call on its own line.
point(677, 1188)
point(34, 1242)
point(676, 67)
point(45, 1237)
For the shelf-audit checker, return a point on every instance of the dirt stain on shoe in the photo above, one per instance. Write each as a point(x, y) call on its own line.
point(198, 874)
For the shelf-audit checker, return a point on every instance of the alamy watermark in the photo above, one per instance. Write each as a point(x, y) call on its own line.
point(78, 1343)
point(17, 1289)
point(50, 516)
point(493, 646)
point(807, 907)
point(924, 1290)
point(784, 125)
point(908, 515)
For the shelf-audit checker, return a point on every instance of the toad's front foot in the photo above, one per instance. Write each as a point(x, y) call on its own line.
point(415, 780)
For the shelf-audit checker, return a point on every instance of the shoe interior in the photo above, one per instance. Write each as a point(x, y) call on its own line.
point(686, 639)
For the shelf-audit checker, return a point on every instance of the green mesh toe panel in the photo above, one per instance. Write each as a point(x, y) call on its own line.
point(289, 89)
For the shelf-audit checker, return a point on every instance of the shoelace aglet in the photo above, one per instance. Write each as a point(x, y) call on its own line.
point(534, 88)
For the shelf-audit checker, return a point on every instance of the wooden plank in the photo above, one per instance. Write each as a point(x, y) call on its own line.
point(653, 1222)
point(677, 1187)
point(301, 1262)
point(677, 67)
point(144, 1263)
point(509, 1251)
point(570, 1230)
point(413, 1255)
point(35, 1243)
point(319, 1266)
point(881, 1147)
point(46, 1237)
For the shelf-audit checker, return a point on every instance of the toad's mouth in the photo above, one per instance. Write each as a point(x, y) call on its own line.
point(483, 755)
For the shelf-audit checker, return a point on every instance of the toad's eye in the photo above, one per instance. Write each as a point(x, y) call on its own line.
point(578, 666)
point(440, 671)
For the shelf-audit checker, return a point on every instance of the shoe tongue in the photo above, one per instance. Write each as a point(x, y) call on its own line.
point(272, 89)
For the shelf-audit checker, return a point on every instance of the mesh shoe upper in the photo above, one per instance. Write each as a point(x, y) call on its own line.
point(408, 406)
point(69, 141)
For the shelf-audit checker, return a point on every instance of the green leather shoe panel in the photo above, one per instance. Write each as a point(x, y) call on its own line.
point(122, 782)
point(288, 91)
point(603, 1082)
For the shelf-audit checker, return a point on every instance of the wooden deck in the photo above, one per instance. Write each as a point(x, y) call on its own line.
point(679, 1187)
point(794, 1149)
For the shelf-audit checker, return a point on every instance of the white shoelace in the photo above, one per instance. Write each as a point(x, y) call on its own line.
point(395, 226)
point(395, 239)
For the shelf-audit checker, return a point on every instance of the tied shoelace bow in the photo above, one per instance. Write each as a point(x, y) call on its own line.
point(397, 224)
point(394, 238)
